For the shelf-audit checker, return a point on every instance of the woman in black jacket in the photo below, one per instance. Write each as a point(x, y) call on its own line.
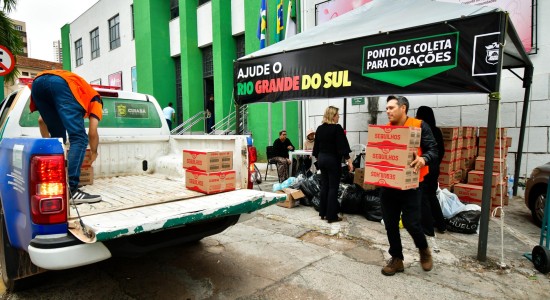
point(330, 146)
point(431, 209)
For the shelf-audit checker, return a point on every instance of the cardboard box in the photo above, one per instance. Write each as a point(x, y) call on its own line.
point(449, 156)
point(476, 177)
point(498, 152)
point(86, 176)
point(87, 158)
point(446, 178)
point(398, 178)
point(459, 142)
point(449, 133)
point(500, 132)
point(449, 145)
point(446, 186)
point(483, 142)
point(210, 182)
point(468, 193)
point(446, 167)
point(393, 136)
point(359, 179)
point(292, 197)
point(389, 156)
point(207, 160)
point(499, 165)
point(468, 163)
point(468, 131)
point(508, 141)
point(457, 176)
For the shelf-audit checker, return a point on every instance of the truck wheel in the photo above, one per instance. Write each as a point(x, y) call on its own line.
point(541, 259)
point(16, 264)
point(538, 201)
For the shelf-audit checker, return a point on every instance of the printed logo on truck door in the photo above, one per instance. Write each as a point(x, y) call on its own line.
point(406, 62)
point(132, 110)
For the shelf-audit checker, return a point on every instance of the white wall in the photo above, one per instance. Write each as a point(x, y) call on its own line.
point(470, 110)
point(121, 59)
point(237, 16)
point(204, 24)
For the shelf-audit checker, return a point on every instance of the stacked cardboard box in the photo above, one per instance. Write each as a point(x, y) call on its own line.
point(449, 169)
point(209, 171)
point(86, 169)
point(390, 150)
point(498, 174)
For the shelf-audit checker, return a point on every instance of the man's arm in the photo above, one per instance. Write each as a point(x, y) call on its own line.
point(428, 144)
point(93, 137)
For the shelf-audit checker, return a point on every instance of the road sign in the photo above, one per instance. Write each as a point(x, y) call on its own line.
point(7, 62)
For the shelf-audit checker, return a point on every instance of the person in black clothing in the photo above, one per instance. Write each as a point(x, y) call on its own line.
point(406, 204)
point(281, 146)
point(431, 209)
point(210, 114)
point(330, 146)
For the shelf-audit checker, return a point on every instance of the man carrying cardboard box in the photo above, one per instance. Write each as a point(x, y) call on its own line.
point(406, 204)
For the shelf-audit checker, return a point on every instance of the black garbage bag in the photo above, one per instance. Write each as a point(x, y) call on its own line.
point(310, 186)
point(464, 222)
point(351, 199)
point(316, 202)
point(347, 176)
point(372, 206)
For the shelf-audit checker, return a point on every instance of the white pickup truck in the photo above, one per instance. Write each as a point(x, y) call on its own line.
point(139, 175)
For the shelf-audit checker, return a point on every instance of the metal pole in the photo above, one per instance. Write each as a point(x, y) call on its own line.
point(494, 99)
point(527, 80)
point(237, 118)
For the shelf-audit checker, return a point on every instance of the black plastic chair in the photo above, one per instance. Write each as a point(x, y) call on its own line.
point(270, 161)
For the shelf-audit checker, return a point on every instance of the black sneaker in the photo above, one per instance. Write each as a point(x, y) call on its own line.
point(79, 197)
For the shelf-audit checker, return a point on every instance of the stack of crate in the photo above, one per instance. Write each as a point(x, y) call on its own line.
point(209, 171)
point(449, 169)
point(471, 191)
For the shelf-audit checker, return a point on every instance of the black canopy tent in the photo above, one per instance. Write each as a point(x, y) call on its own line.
point(403, 47)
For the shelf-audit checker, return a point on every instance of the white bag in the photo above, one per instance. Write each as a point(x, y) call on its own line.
point(450, 205)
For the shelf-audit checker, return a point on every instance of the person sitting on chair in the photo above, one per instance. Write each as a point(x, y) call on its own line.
point(305, 161)
point(281, 146)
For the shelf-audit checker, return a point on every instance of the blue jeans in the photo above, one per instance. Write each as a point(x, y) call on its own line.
point(62, 114)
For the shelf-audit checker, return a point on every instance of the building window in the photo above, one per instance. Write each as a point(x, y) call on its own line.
point(25, 73)
point(133, 29)
point(114, 32)
point(78, 52)
point(18, 27)
point(174, 9)
point(240, 45)
point(94, 41)
point(207, 62)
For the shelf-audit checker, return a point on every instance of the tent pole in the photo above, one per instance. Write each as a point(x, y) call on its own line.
point(527, 80)
point(494, 99)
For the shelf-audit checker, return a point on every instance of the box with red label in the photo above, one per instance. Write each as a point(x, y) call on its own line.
point(468, 193)
point(86, 176)
point(207, 160)
point(476, 177)
point(503, 186)
point(466, 152)
point(457, 176)
point(449, 133)
point(500, 132)
point(459, 142)
point(467, 163)
point(464, 176)
point(210, 182)
point(446, 178)
point(458, 163)
point(446, 186)
point(393, 136)
point(498, 152)
point(449, 145)
point(359, 179)
point(397, 178)
point(446, 167)
point(499, 165)
point(468, 131)
point(449, 156)
point(87, 158)
point(389, 156)
point(508, 141)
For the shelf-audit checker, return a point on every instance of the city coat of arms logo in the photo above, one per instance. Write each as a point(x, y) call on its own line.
point(492, 53)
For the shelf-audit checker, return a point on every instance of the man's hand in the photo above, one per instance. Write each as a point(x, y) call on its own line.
point(289, 147)
point(94, 156)
point(418, 162)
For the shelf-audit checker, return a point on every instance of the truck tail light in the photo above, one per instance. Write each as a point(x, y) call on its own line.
point(252, 158)
point(48, 189)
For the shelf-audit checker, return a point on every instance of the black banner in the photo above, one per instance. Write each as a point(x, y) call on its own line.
point(458, 56)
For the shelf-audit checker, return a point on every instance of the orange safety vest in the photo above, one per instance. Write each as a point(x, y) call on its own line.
point(412, 122)
point(81, 90)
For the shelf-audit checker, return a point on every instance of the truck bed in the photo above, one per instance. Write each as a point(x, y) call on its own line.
point(141, 203)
